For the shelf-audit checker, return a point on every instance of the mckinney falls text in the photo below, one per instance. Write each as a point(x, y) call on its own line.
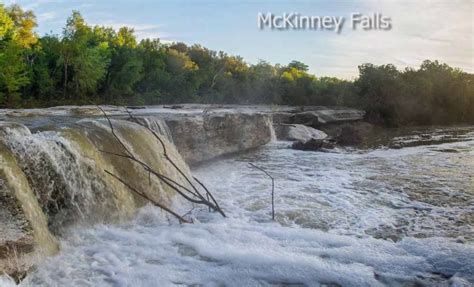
point(296, 21)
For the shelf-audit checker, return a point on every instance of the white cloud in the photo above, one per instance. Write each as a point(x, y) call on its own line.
point(421, 30)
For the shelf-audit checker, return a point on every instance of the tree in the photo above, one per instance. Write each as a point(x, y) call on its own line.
point(154, 76)
point(126, 66)
point(298, 66)
point(45, 77)
point(84, 60)
point(297, 86)
point(24, 23)
point(264, 84)
point(13, 74)
point(380, 87)
point(16, 39)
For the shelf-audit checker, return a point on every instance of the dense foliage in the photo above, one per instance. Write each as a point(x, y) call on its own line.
point(95, 64)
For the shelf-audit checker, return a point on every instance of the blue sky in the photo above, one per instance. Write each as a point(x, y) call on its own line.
point(421, 30)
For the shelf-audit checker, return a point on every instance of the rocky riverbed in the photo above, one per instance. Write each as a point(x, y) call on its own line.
point(397, 211)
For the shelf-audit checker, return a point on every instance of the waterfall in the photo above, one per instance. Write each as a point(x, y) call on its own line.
point(25, 227)
point(273, 137)
point(58, 179)
point(66, 169)
point(156, 124)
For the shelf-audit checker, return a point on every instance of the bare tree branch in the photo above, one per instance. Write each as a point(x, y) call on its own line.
point(179, 217)
point(193, 195)
point(197, 193)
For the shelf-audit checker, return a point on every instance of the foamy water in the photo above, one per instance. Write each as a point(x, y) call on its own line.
point(353, 218)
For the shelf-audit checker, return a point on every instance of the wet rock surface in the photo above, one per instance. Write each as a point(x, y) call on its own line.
point(428, 194)
point(16, 234)
point(8, 128)
point(204, 138)
point(316, 116)
point(298, 132)
point(24, 237)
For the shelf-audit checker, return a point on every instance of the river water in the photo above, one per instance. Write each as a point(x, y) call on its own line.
point(379, 217)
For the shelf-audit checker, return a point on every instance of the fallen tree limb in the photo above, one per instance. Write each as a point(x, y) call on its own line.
point(179, 217)
point(196, 190)
point(193, 195)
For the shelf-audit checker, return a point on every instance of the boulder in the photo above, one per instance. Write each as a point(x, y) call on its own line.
point(298, 132)
point(202, 138)
point(313, 145)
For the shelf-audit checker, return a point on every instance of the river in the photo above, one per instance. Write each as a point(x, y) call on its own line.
point(348, 217)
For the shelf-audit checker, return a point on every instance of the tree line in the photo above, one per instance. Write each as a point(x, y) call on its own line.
point(88, 64)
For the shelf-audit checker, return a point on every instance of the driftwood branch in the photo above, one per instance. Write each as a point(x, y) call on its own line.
point(195, 189)
point(273, 187)
point(193, 195)
point(179, 217)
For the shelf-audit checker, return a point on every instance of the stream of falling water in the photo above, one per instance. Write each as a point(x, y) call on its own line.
point(396, 217)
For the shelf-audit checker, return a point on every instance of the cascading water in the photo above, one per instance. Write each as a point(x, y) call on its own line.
point(273, 137)
point(340, 221)
point(156, 124)
point(27, 231)
point(58, 177)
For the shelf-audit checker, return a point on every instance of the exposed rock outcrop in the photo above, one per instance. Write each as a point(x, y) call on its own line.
point(345, 127)
point(203, 138)
point(327, 116)
point(298, 132)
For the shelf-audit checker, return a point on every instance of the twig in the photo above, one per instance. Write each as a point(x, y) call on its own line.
point(194, 195)
point(273, 187)
point(209, 194)
point(165, 153)
point(188, 211)
point(179, 217)
point(113, 131)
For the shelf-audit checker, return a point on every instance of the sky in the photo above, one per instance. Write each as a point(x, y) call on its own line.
point(436, 30)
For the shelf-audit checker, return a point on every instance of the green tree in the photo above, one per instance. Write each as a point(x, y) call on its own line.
point(13, 74)
point(84, 61)
point(126, 66)
point(297, 85)
point(380, 88)
point(16, 39)
point(298, 66)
